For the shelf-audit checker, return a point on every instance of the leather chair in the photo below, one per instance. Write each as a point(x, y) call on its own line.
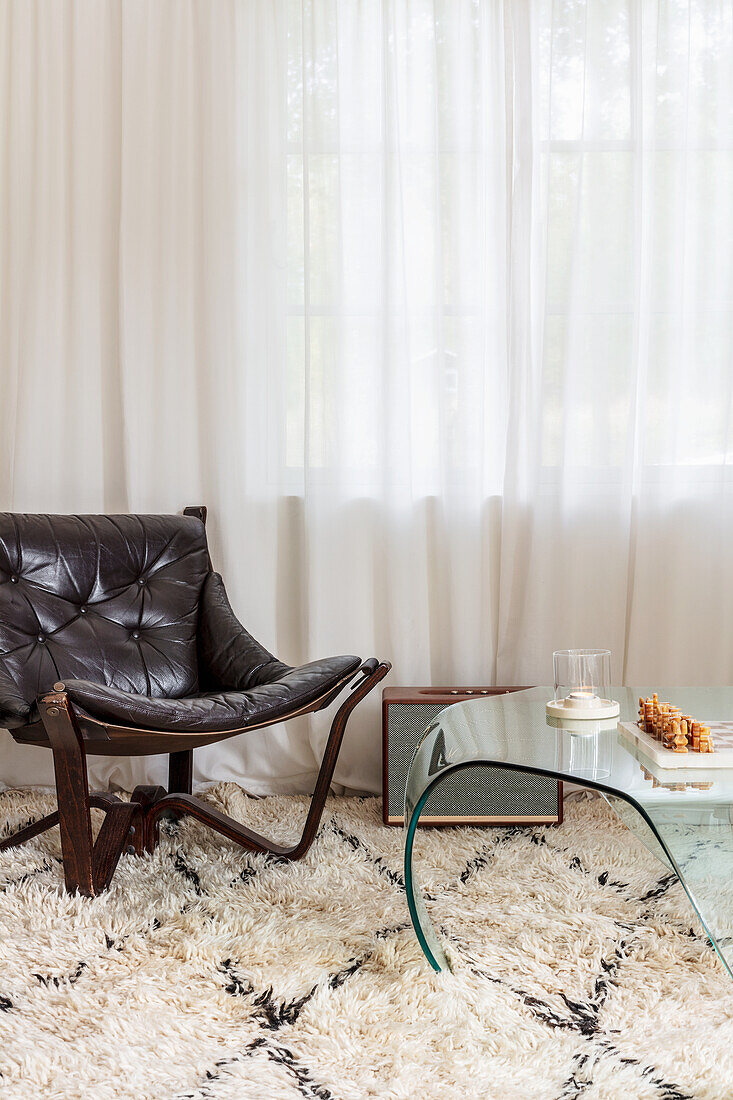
point(117, 638)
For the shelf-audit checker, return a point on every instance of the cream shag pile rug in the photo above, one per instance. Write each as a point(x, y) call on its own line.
point(206, 973)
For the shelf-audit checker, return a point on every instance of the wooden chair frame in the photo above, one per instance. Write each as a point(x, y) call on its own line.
point(133, 826)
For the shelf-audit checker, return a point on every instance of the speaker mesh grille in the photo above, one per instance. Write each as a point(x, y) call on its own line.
point(477, 791)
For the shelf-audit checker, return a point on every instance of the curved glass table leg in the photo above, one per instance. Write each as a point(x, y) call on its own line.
point(696, 871)
point(629, 813)
point(421, 922)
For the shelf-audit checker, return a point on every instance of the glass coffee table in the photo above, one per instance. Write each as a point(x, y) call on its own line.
point(682, 815)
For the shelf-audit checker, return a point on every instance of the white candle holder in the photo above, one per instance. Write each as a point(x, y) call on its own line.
point(582, 679)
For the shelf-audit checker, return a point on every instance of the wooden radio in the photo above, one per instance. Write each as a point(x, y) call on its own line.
point(478, 795)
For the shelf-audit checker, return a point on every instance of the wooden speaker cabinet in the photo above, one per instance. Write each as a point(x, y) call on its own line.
point(474, 796)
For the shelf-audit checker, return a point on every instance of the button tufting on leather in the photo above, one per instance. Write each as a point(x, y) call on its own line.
point(136, 633)
point(163, 558)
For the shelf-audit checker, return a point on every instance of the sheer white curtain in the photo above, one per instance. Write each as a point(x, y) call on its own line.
point(429, 302)
point(626, 517)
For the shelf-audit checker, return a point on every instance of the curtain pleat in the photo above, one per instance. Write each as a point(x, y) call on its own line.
point(431, 303)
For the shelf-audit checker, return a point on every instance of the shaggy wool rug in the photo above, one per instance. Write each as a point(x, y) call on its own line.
point(207, 973)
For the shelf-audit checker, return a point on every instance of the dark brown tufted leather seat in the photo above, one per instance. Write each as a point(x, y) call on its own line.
point(117, 637)
point(126, 611)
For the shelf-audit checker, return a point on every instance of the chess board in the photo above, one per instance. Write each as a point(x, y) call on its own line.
point(722, 757)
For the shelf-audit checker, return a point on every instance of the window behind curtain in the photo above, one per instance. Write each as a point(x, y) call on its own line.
point(402, 206)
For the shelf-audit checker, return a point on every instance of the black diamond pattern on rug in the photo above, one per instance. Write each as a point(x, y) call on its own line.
point(578, 968)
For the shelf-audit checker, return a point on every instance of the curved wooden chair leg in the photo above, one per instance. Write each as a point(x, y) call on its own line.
point(122, 822)
point(146, 837)
point(29, 831)
point(180, 772)
point(373, 671)
point(72, 791)
point(88, 865)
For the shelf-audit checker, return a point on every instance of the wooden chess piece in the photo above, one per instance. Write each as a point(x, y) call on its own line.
point(679, 737)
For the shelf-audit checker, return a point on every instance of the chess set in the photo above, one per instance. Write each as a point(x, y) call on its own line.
point(675, 740)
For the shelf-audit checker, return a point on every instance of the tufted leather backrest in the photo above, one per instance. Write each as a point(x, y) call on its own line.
point(112, 599)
